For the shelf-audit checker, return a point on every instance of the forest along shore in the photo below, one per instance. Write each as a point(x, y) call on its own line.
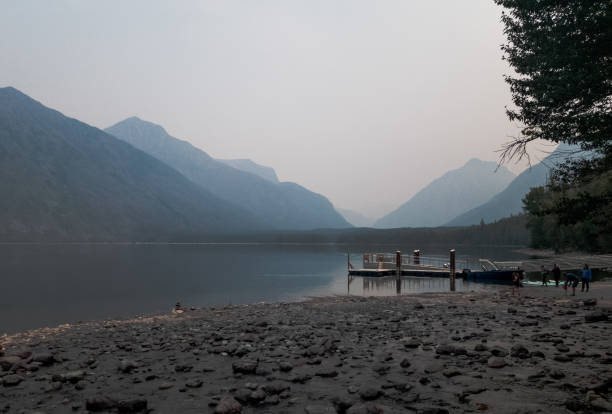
point(427, 353)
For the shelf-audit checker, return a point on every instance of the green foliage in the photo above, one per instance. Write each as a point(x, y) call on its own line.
point(570, 217)
point(561, 54)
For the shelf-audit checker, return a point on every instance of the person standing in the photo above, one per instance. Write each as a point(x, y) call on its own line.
point(556, 274)
point(544, 276)
point(516, 283)
point(586, 276)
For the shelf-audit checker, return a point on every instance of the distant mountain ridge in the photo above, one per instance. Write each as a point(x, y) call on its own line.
point(356, 218)
point(246, 165)
point(510, 201)
point(285, 205)
point(451, 194)
point(64, 180)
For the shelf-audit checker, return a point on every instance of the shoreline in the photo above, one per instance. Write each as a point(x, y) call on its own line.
point(428, 352)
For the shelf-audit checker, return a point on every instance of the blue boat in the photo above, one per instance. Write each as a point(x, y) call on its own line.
point(493, 272)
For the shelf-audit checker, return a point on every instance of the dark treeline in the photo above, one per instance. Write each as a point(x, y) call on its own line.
point(569, 217)
point(508, 231)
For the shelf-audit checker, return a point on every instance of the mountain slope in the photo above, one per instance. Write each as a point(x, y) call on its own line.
point(65, 180)
point(355, 218)
point(510, 200)
point(451, 194)
point(281, 206)
point(249, 166)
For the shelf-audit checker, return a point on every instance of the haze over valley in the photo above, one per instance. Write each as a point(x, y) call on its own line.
point(364, 103)
point(319, 207)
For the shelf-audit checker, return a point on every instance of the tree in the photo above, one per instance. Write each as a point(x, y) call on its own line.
point(561, 53)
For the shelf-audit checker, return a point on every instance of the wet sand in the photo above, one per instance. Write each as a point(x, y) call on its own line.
point(485, 351)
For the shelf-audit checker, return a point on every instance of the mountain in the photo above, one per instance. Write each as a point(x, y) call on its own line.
point(286, 206)
point(355, 218)
point(65, 180)
point(449, 195)
point(510, 200)
point(249, 166)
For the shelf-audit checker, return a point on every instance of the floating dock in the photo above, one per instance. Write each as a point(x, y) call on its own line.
point(394, 264)
point(404, 272)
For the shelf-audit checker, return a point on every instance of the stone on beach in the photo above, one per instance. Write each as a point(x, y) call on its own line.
point(228, 405)
point(453, 353)
point(496, 362)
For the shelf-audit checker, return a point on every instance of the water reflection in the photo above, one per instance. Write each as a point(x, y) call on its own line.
point(50, 284)
point(386, 286)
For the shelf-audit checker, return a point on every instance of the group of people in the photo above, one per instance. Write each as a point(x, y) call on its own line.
point(571, 279)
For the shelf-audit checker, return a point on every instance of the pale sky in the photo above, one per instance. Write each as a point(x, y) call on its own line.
point(362, 101)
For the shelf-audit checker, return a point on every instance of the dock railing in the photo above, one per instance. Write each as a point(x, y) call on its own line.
point(415, 260)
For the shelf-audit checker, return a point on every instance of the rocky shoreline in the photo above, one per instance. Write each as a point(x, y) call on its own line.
point(483, 351)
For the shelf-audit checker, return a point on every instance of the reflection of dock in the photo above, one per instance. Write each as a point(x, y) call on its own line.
point(389, 285)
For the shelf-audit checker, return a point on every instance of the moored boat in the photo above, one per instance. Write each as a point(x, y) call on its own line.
point(493, 272)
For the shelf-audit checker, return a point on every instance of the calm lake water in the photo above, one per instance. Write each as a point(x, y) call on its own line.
point(46, 285)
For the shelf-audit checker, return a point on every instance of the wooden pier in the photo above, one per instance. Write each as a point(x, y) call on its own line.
point(397, 264)
point(404, 272)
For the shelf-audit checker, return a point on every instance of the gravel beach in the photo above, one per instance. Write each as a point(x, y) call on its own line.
point(484, 351)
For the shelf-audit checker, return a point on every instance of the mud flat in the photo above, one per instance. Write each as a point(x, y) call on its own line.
point(481, 351)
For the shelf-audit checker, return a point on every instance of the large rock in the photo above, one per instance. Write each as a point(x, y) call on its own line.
point(132, 406)
point(228, 405)
point(245, 366)
point(519, 351)
point(126, 366)
point(100, 403)
point(597, 316)
point(12, 380)
point(44, 358)
point(496, 362)
point(7, 362)
point(320, 409)
point(368, 392)
point(74, 376)
point(275, 387)
point(447, 349)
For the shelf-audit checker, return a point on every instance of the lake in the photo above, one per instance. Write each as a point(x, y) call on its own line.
point(50, 284)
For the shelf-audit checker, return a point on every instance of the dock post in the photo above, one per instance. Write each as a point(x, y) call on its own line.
point(398, 269)
point(417, 253)
point(348, 261)
point(452, 270)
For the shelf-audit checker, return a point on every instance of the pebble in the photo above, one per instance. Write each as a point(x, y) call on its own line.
point(320, 409)
point(228, 405)
point(496, 362)
point(338, 355)
point(12, 380)
point(165, 386)
point(245, 366)
point(368, 392)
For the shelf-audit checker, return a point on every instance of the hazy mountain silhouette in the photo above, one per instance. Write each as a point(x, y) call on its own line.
point(249, 166)
point(65, 180)
point(280, 205)
point(510, 201)
point(449, 195)
point(355, 218)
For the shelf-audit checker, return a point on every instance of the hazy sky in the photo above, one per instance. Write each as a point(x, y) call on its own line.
point(362, 101)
